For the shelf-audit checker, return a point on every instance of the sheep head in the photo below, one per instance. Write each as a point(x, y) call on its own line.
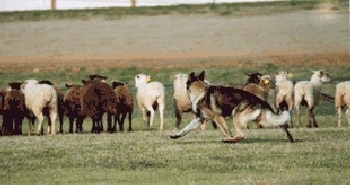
point(254, 78)
point(15, 85)
point(141, 79)
point(45, 82)
point(320, 76)
point(97, 77)
point(116, 84)
point(30, 82)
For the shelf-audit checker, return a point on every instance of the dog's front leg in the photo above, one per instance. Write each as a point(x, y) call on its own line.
point(194, 124)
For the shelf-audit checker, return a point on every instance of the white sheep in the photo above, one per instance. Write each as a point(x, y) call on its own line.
point(342, 100)
point(307, 93)
point(37, 96)
point(284, 99)
point(150, 95)
point(181, 101)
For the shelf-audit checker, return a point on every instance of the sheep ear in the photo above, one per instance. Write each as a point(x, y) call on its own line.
point(201, 76)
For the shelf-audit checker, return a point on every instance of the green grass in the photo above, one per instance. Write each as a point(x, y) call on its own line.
point(149, 157)
point(225, 9)
point(319, 156)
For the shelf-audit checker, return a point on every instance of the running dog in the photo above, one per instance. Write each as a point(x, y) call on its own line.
point(217, 102)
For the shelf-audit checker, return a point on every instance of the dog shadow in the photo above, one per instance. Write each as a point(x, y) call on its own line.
point(244, 141)
point(268, 140)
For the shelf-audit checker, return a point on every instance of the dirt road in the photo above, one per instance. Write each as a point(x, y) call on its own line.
point(172, 38)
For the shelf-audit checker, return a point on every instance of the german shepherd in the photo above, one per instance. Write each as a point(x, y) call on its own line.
point(217, 102)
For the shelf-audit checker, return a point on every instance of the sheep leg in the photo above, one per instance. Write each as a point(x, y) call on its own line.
point(298, 116)
point(5, 124)
point(100, 124)
point(161, 113)
point(109, 122)
point(151, 118)
point(18, 125)
point(115, 120)
point(347, 113)
point(53, 117)
point(31, 125)
point(129, 117)
point(312, 112)
point(40, 125)
point(291, 119)
point(60, 117)
point(178, 116)
point(95, 125)
point(339, 116)
point(48, 126)
point(71, 122)
point(79, 124)
point(146, 116)
point(290, 110)
point(121, 122)
point(308, 114)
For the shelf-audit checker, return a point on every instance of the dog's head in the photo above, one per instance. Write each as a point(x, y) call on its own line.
point(192, 78)
point(196, 87)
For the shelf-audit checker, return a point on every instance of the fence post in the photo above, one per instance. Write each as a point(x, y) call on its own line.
point(53, 4)
point(133, 3)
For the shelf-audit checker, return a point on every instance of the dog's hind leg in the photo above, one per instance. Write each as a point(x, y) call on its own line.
point(194, 124)
point(220, 121)
point(289, 135)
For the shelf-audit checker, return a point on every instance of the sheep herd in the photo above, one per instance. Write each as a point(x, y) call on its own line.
point(93, 98)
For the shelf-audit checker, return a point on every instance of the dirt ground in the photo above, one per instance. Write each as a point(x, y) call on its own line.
point(319, 37)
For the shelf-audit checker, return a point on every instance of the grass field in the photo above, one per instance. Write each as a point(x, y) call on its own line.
point(319, 156)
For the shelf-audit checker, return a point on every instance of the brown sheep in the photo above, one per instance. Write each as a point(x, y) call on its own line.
point(13, 110)
point(72, 107)
point(96, 98)
point(125, 105)
point(261, 89)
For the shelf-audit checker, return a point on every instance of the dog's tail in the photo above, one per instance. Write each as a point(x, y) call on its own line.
point(269, 119)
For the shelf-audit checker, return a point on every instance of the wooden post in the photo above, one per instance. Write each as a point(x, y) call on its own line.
point(133, 3)
point(53, 4)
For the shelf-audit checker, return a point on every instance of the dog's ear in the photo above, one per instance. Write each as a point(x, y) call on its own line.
point(201, 76)
point(192, 77)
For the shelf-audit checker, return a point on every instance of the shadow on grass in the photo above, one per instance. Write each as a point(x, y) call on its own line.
point(244, 141)
point(269, 140)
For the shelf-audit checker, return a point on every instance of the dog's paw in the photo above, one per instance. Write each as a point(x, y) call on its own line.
point(232, 139)
point(175, 136)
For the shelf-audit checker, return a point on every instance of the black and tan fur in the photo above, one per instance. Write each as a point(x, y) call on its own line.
point(218, 102)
